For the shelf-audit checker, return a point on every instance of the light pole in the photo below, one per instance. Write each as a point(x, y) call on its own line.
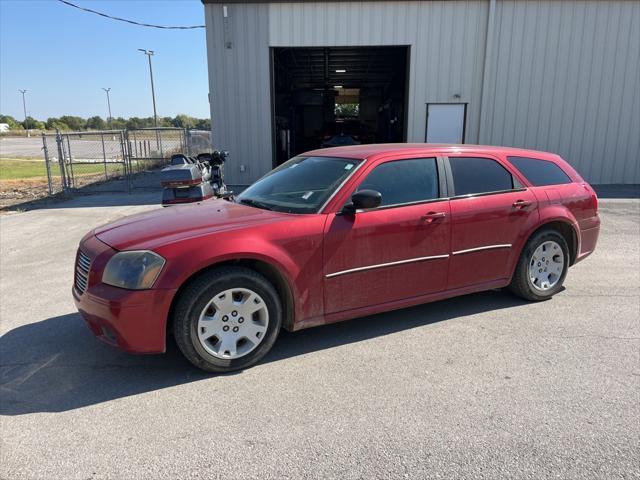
point(107, 90)
point(149, 54)
point(24, 108)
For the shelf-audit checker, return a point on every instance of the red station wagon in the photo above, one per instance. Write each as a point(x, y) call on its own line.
point(331, 235)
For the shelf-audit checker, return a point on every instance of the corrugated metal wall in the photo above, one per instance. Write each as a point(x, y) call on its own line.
point(240, 88)
point(563, 75)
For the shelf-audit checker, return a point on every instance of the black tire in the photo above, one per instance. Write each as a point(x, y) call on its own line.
point(197, 295)
point(521, 285)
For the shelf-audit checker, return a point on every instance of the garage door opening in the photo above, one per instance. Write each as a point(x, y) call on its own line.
point(333, 96)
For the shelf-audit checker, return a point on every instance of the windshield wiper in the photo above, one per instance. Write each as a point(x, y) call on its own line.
point(255, 203)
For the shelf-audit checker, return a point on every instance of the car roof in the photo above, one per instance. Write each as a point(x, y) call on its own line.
point(383, 149)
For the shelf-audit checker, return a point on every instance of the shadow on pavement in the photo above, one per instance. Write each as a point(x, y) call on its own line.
point(87, 200)
point(142, 188)
point(57, 365)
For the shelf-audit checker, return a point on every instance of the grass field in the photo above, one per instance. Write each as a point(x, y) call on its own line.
point(24, 180)
point(16, 169)
point(12, 169)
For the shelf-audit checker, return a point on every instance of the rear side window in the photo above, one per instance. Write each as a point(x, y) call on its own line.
point(473, 175)
point(540, 172)
point(404, 181)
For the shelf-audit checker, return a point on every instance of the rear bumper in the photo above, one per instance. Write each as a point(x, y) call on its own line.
point(133, 321)
point(588, 240)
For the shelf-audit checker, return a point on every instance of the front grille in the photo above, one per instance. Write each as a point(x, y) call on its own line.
point(83, 265)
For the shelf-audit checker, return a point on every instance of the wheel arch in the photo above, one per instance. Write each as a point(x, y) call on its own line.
point(266, 269)
point(564, 228)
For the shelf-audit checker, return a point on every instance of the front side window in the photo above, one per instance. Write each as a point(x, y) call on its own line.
point(301, 185)
point(404, 181)
point(474, 175)
point(540, 172)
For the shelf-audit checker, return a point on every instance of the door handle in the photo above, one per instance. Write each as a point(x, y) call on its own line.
point(520, 204)
point(433, 216)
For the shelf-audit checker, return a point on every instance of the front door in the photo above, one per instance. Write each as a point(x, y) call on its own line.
point(490, 212)
point(395, 251)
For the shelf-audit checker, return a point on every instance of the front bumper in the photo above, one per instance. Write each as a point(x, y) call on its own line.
point(132, 320)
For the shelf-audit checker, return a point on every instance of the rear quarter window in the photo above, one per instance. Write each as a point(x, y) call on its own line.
point(540, 172)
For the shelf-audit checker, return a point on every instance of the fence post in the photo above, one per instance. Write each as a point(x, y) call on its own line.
point(71, 169)
point(46, 162)
point(125, 147)
point(187, 144)
point(63, 173)
point(104, 157)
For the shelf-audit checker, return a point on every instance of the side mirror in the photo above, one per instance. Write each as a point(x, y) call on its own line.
point(362, 200)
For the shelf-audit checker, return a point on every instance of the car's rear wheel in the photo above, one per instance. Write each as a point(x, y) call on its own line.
point(227, 319)
point(542, 266)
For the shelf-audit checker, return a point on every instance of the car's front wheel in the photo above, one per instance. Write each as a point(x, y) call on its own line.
point(227, 319)
point(542, 266)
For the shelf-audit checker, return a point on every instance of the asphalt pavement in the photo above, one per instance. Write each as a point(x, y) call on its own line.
point(481, 386)
point(21, 147)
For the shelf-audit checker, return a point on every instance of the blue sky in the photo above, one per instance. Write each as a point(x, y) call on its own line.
point(64, 56)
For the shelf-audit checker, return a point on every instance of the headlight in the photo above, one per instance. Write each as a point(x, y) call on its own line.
point(134, 270)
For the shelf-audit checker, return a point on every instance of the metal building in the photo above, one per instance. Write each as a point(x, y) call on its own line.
point(554, 75)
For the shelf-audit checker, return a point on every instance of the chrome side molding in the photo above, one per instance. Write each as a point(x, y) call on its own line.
point(389, 264)
point(417, 259)
point(478, 249)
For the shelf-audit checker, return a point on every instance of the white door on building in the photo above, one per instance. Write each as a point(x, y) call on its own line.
point(446, 122)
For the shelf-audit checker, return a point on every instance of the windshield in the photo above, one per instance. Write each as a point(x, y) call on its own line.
point(301, 185)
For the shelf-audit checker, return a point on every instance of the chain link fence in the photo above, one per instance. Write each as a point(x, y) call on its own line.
point(115, 160)
point(150, 150)
point(54, 164)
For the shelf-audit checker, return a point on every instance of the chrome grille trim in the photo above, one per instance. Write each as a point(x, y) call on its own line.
point(83, 266)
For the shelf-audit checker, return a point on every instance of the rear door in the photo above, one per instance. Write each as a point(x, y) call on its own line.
point(549, 181)
point(491, 212)
point(395, 251)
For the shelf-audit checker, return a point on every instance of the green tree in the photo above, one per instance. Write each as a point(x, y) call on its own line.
point(135, 122)
point(54, 123)
point(164, 122)
point(96, 123)
point(203, 124)
point(347, 109)
point(118, 123)
point(31, 123)
point(184, 121)
point(74, 123)
point(12, 122)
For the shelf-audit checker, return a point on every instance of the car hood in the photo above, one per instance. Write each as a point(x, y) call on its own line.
point(162, 226)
